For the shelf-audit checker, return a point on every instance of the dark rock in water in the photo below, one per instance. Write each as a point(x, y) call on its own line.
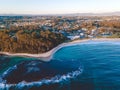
point(1, 54)
point(35, 70)
point(4, 59)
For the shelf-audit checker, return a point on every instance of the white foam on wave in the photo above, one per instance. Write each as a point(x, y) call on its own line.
point(4, 86)
point(53, 80)
point(9, 70)
point(56, 79)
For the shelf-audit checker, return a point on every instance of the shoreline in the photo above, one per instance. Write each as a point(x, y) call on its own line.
point(47, 56)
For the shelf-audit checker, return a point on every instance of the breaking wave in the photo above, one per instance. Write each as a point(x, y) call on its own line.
point(53, 80)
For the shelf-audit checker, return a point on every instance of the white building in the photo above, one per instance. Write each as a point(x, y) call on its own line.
point(73, 37)
point(2, 26)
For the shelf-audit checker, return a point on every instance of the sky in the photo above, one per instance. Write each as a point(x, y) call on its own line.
point(58, 6)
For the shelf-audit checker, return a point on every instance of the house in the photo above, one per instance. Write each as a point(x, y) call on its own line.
point(73, 37)
point(82, 35)
point(106, 34)
point(84, 29)
point(2, 26)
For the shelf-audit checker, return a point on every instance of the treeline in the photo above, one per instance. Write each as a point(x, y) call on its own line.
point(110, 24)
point(29, 41)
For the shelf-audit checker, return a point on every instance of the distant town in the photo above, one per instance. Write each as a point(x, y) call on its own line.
point(71, 27)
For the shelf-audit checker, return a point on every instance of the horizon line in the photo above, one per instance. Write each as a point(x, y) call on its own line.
point(60, 13)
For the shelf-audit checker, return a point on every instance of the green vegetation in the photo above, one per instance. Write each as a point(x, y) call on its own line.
point(25, 41)
point(38, 34)
point(116, 35)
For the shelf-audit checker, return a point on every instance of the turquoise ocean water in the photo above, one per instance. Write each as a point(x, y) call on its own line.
point(91, 65)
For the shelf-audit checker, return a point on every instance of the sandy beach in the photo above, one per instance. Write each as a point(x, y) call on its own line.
point(48, 55)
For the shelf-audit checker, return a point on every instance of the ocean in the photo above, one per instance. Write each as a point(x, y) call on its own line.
point(90, 65)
